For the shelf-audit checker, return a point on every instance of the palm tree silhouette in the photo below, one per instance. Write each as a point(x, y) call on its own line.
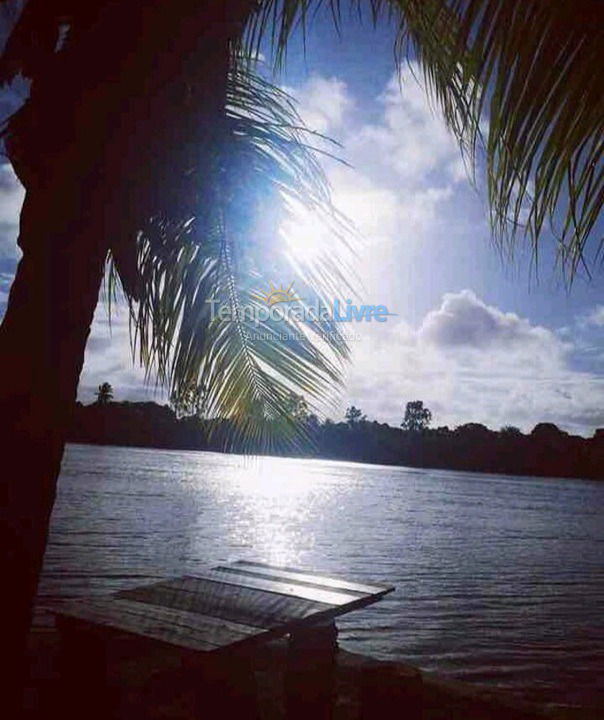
point(149, 143)
point(104, 394)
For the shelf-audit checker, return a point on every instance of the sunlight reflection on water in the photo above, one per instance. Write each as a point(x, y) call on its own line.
point(275, 504)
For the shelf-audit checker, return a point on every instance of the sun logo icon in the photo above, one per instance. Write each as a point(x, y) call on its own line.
point(277, 295)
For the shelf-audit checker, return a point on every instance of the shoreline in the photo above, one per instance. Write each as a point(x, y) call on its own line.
point(323, 458)
point(149, 682)
point(546, 451)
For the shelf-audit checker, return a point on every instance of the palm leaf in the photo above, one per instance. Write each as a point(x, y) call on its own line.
point(224, 251)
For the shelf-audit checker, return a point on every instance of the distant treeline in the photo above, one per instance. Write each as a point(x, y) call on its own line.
point(546, 451)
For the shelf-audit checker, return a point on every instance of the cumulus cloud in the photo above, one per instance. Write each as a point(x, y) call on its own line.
point(5, 283)
point(469, 360)
point(410, 139)
point(401, 169)
point(403, 172)
point(464, 320)
point(323, 103)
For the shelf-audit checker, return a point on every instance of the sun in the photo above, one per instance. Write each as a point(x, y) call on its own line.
point(305, 236)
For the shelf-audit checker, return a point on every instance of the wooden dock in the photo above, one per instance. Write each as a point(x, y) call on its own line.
point(217, 620)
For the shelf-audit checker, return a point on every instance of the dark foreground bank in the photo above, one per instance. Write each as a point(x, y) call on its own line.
point(153, 686)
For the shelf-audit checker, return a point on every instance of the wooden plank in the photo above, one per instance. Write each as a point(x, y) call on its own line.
point(248, 606)
point(240, 575)
point(169, 625)
point(309, 592)
point(301, 576)
point(229, 605)
point(333, 581)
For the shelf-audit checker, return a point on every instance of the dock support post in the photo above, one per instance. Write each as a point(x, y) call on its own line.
point(310, 673)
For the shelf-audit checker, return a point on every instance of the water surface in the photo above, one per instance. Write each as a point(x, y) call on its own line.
point(499, 579)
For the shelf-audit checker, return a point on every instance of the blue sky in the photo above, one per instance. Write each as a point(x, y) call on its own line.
point(476, 337)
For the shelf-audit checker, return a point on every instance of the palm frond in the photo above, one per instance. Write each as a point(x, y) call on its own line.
point(226, 249)
point(527, 68)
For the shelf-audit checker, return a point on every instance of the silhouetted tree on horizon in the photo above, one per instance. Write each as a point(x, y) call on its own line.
point(510, 430)
point(104, 394)
point(354, 415)
point(471, 446)
point(417, 417)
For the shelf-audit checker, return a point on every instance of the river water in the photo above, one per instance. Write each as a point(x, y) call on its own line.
point(499, 579)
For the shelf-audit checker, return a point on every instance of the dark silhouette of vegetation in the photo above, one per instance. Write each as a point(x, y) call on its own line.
point(104, 394)
point(546, 451)
point(353, 416)
point(510, 430)
point(417, 417)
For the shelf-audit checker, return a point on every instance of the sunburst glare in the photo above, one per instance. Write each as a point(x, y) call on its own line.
point(306, 235)
point(280, 497)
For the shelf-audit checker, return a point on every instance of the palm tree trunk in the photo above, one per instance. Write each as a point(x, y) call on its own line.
point(73, 210)
point(42, 342)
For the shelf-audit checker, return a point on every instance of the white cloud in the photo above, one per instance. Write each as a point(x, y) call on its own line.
point(411, 139)
point(404, 171)
point(468, 360)
point(463, 320)
point(596, 316)
point(323, 104)
point(11, 199)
